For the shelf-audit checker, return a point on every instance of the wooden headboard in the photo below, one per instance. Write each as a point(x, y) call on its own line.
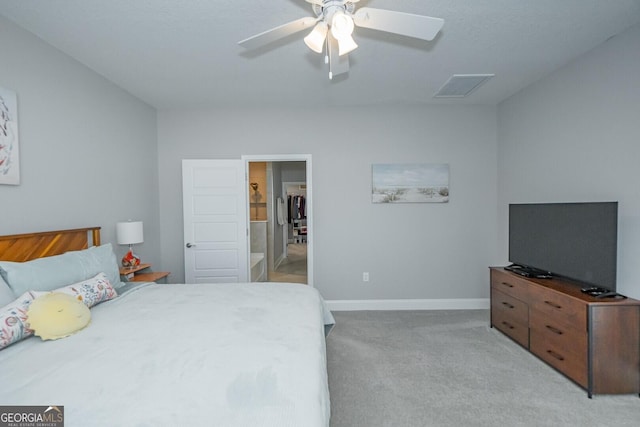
point(26, 247)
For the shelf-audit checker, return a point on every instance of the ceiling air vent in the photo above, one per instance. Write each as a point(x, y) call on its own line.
point(461, 85)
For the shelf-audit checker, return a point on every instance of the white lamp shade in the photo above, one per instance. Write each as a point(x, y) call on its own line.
point(315, 39)
point(342, 28)
point(346, 45)
point(341, 25)
point(129, 233)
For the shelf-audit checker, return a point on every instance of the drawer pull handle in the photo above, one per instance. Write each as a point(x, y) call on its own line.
point(554, 305)
point(508, 285)
point(508, 325)
point(554, 330)
point(556, 355)
point(506, 304)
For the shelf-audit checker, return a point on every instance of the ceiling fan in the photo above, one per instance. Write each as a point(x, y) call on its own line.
point(333, 26)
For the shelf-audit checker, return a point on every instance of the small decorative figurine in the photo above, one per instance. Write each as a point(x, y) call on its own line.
point(130, 260)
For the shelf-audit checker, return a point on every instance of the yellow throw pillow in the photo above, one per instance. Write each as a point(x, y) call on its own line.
point(56, 315)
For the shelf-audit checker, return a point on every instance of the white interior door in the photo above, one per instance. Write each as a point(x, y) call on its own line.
point(215, 221)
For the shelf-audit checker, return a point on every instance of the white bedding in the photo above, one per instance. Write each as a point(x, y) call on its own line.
point(178, 355)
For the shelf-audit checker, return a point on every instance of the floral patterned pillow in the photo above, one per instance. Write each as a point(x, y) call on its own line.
point(91, 291)
point(13, 319)
point(14, 325)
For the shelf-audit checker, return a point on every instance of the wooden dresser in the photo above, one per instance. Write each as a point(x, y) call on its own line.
point(594, 342)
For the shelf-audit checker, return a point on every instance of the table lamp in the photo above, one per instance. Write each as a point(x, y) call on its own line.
point(130, 233)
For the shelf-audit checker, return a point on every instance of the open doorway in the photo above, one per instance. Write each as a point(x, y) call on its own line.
point(292, 267)
point(280, 218)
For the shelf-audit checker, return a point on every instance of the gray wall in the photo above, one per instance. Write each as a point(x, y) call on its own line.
point(575, 136)
point(89, 157)
point(88, 152)
point(412, 250)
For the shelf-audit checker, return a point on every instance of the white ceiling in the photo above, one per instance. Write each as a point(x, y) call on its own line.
point(184, 53)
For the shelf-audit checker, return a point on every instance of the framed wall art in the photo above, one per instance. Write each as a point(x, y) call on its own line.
point(9, 144)
point(410, 183)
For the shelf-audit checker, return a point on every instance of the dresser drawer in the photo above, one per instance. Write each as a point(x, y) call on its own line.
point(509, 284)
point(551, 329)
point(559, 307)
point(512, 307)
point(511, 316)
point(566, 351)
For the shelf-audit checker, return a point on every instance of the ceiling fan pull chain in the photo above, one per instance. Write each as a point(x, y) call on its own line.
point(326, 51)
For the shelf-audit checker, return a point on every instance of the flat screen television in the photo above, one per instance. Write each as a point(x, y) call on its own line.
point(575, 241)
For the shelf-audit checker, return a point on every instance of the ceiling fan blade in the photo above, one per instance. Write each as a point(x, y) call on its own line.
point(337, 64)
point(277, 33)
point(405, 24)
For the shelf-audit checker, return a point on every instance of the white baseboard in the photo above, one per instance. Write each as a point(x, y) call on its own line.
point(409, 304)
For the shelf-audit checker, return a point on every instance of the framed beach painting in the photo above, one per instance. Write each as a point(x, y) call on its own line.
point(9, 147)
point(410, 183)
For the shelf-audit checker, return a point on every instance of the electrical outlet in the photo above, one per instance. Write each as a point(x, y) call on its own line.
point(365, 276)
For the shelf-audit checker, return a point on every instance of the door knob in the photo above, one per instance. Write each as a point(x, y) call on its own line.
point(189, 245)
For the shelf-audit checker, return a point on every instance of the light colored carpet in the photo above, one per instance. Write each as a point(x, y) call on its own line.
point(448, 368)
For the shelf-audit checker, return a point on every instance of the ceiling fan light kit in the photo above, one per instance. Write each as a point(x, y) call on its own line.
point(315, 39)
point(336, 20)
point(342, 28)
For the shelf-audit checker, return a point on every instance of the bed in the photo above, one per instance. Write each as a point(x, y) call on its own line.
point(244, 354)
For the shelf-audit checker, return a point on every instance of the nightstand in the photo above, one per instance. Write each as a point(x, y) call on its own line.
point(142, 273)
